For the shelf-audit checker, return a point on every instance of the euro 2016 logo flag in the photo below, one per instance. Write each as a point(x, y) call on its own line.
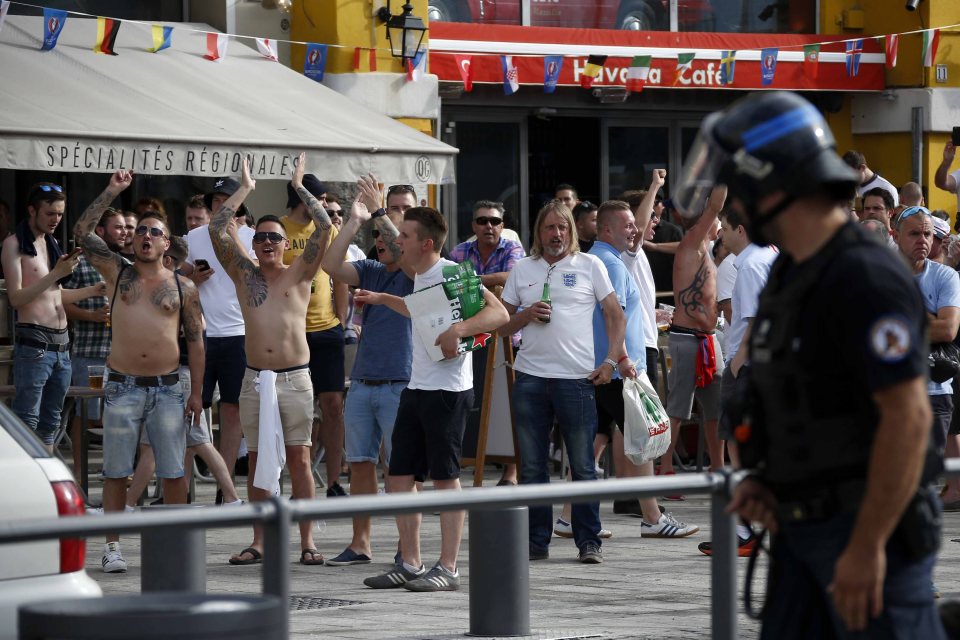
point(53, 20)
point(551, 72)
point(315, 61)
point(768, 65)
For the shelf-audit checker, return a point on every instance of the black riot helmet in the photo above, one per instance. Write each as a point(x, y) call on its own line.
point(762, 144)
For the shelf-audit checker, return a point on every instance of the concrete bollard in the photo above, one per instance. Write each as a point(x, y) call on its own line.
point(500, 572)
point(173, 558)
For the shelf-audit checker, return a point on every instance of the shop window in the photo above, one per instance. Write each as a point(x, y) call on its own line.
point(634, 153)
point(733, 16)
point(488, 168)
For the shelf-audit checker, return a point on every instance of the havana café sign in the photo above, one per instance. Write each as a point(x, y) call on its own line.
point(529, 45)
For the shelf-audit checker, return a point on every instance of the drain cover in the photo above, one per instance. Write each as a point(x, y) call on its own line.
point(308, 603)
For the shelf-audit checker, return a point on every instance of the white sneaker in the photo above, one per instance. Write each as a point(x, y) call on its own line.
point(564, 529)
point(667, 527)
point(113, 561)
point(98, 511)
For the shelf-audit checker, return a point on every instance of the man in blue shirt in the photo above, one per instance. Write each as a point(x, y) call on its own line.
point(382, 367)
point(615, 233)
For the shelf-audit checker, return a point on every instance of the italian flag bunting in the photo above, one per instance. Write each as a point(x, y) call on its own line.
point(684, 64)
point(107, 29)
point(891, 43)
point(638, 73)
point(931, 40)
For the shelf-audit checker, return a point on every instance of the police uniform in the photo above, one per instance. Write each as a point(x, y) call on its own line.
point(829, 333)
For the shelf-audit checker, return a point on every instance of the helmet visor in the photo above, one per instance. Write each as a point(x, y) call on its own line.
point(699, 176)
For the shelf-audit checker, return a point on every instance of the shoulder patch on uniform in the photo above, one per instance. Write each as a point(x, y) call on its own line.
point(890, 338)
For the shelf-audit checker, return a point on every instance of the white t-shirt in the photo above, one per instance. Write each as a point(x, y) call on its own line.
point(753, 269)
point(218, 295)
point(639, 268)
point(562, 348)
point(726, 277)
point(453, 374)
point(883, 183)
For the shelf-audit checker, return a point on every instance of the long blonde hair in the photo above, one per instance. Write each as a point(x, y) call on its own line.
point(556, 206)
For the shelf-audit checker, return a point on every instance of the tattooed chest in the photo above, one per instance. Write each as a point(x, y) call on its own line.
point(164, 296)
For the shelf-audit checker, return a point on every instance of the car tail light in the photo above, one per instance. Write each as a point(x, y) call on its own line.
point(70, 503)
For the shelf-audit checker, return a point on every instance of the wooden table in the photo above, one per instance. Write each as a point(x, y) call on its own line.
point(77, 394)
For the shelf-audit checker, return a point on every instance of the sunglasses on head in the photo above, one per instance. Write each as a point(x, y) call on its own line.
point(400, 188)
point(483, 220)
point(262, 236)
point(155, 232)
point(51, 187)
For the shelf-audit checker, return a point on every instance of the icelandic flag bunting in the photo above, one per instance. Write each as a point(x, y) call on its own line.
point(854, 49)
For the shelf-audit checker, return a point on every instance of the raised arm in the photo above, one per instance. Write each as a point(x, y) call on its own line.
point(105, 261)
point(223, 232)
point(309, 261)
point(333, 258)
point(708, 220)
point(943, 179)
point(370, 196)
point(645, 210)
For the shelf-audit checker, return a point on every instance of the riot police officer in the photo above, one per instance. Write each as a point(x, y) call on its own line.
point(837, 425)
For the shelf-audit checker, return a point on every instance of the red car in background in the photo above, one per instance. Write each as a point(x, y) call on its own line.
point(632, 15)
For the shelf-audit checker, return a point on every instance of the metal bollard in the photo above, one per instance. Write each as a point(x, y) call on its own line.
point(173, 558)
point(723, 565)
point(500, 589)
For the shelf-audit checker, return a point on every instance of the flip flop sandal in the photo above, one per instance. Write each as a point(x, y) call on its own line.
point(255, 559)
point(315, 557)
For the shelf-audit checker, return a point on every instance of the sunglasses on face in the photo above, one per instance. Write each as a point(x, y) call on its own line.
point(375, 233)
point(51, 187)
point(155, 232)
point(334, 212)
point(262, 236)
point(483, 220)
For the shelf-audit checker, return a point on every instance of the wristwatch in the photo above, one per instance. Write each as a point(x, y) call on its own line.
point(379, 212)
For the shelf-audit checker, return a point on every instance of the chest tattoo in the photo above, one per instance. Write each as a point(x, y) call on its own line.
point(130, 286)
point(166, 297)
point(253, 282)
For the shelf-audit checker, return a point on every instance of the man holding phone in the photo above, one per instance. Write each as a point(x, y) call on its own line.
point(225, 355)
point(944, 179)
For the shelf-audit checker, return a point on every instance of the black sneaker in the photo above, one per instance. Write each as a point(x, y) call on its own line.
point(335, 491)
point(396, 577)
point(437, 579)
point(591, 554)
point(539, 554)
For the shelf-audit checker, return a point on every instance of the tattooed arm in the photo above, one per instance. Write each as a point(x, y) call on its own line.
point(334, 257)
point(309, 262)
point(370, 196)
point(193, 332)
point(246, 276)
point(105, 261)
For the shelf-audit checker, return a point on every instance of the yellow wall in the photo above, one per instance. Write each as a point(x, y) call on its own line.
point(350, 23)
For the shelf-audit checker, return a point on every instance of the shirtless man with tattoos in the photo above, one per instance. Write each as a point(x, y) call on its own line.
point(694, 349)
point(34, 268)
point(273, 299)
point(149, 304)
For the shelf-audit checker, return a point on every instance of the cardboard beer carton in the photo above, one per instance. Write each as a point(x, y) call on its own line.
point(434, 309)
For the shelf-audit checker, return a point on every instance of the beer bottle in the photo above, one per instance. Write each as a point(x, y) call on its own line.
point(545, 298)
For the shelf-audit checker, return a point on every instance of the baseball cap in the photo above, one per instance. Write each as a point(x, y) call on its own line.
point(311, 183)
point(941, 228)
point(228, 187)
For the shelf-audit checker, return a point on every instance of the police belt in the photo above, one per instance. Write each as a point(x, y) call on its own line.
point(822, 503)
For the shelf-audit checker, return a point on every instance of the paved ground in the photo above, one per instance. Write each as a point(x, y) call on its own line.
point(644, 589)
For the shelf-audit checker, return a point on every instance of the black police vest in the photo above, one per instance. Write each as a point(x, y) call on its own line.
point(805, 432)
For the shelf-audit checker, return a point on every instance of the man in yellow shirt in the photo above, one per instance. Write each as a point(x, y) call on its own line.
point(326, 314)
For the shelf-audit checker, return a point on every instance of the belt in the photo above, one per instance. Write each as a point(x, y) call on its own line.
point(145, 381)
point(377, 383)
point(823, 503)
point(40, 344)
point(287, 370)
point(686, 331)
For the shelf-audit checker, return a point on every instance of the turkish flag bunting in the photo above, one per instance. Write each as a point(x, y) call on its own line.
point(465, 64)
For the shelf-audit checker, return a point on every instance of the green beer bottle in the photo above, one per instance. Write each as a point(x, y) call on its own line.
point(545, 298)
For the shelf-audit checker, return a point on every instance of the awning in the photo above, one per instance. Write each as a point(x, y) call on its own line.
point(175, 113)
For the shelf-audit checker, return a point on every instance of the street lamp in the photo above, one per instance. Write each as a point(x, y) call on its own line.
point(404, 31)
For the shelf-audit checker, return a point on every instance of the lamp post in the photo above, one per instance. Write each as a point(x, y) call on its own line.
point(404, 31)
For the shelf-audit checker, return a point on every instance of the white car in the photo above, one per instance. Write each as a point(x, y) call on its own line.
point(35, 484)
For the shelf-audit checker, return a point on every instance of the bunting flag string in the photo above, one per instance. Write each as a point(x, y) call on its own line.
point(684, 64)
point(728, 61)
point(315, 61)
point(371, 58)
point(107, 29)
point(638, 73)
point(416, 67)
point(811, 60)
point(4, 8)
point(161, 38)
point(891, 43)
point(854, 49)
point(931, 40)
point(768, 65)
point(465, 66)
point(592, 70)
point(53, 21)
point(552, 65)
point(511, 79)
point(267, 48)
point(216, 46)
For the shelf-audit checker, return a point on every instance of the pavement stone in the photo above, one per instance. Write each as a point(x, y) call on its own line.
point(645, 588)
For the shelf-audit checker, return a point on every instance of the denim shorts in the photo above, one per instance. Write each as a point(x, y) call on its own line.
point(81, 378)
point(160, 410)
point(369, 416)
point(197, 434)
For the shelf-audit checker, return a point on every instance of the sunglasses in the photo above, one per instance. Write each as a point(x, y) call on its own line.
point(334, 212)
point(912, 211)
point(400, 188)
point(375, 233)
point(155, 232)
point(51, 187)
point(483, 220)
point(262, 236)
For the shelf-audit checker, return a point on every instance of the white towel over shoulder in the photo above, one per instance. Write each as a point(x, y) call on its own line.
point(271, 452)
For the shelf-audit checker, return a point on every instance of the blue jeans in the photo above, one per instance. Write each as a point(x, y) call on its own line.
point(536, 401)
point(159, 409)
point(369, 416)
point(798, 605)
point(41, 379)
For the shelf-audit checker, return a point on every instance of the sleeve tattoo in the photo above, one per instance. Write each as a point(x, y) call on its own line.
point(389, 234)
point(94, 247)
point(317, 212)
point(229, 255)
point(192, 326)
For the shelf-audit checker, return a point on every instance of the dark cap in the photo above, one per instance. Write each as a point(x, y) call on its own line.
point(228, 187)
point(311, 183)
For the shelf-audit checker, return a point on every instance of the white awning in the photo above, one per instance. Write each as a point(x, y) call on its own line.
point(175, 113)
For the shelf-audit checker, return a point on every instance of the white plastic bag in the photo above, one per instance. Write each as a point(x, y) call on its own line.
point(646, 430)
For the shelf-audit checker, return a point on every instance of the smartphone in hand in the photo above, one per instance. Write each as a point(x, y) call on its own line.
point(956, 136)
point(201, 264)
